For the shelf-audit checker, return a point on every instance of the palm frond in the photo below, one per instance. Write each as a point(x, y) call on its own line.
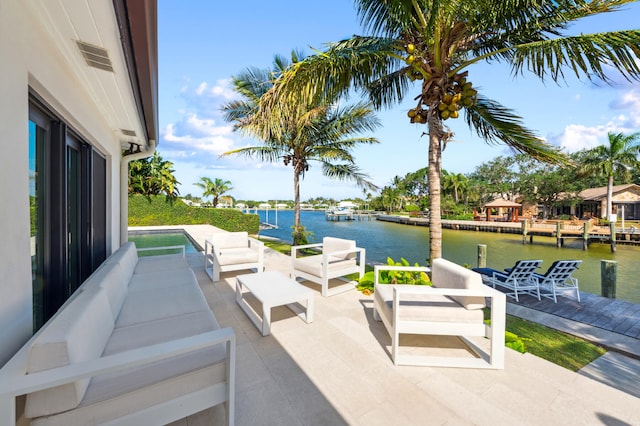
point(348, 172)
point(584, 55)
point(344, 65)
point(269, 153)
point(497, 124)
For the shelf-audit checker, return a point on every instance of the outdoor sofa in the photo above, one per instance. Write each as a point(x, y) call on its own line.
point(135, 344)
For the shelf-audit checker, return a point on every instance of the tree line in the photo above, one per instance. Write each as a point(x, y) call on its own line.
point(520, 177)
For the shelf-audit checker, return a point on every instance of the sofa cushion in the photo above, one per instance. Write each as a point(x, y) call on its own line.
point(230, 240)
point(161, 279)
point(167, 262)
point(127, 256)
point(163, 330)
point(235, 256)
point(152, 305)
point(115, 286)
point(447, 274)
point(421, 307)
point(78, 333)
point(313, 264)
point(332, 244)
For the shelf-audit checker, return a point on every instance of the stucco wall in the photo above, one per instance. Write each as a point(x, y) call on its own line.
point(29, 59)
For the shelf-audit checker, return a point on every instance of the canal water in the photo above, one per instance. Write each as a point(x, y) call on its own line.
point(384, 239)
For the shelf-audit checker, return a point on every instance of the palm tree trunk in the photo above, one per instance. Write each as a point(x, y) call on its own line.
point(609, 196)
point(296, 207)
point(433, 175)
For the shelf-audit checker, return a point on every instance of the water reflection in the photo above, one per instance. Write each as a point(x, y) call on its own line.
point(383, 239)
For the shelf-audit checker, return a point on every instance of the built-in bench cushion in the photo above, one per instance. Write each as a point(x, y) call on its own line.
point(447, 274)
point(436, 308)
point(79, 333)
point(313, 264)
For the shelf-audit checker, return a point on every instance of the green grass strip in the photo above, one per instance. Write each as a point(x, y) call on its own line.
point(562, 349)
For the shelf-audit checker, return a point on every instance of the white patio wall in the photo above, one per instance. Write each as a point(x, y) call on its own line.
point(28, 58)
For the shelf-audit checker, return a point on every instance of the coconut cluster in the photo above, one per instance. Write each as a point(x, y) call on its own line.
point(459, 94)
point(414, 61)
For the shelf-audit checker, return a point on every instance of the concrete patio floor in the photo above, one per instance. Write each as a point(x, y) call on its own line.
point(337, 370)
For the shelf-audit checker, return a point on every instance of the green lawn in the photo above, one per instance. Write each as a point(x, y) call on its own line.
point(560, 348)
point(555, 346)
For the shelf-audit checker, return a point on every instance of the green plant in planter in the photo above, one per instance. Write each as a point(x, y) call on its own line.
point(366, 283)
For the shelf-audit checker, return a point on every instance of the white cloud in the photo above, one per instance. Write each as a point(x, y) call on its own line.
point(577, 136)
point(221, 89)
point(194, 134)
point(629, 103)
point(626, 108)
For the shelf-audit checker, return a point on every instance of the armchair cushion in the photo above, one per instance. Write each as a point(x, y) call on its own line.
point(421, 307)
point(332, 245)
point(228, 240)
point(449, 275)
point(236, 255)
point(313, 264)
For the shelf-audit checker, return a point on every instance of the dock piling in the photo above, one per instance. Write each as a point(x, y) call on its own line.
point(482, 255)
point(608, 278)
point(612, 229)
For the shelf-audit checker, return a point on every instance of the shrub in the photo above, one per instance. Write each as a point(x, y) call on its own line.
point(155, 211)
point(513, 341)
point(366, 283)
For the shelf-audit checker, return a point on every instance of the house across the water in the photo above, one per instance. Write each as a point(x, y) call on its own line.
point(592, 202)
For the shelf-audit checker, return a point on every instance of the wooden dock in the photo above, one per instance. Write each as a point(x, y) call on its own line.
point(559, 230)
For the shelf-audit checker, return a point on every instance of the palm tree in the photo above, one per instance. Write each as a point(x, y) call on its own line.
point(214, 188)
point(317, 131)
point(153, 176)
point(457, 182)
point(616, 159)
point(435, 44)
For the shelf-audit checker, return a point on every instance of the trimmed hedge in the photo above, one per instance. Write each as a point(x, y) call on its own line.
point(159, 212)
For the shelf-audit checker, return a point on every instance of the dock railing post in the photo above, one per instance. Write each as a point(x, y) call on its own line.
point(585, 235)
point(608, 278)
point(482, 255)
point(559, 234)
point(524, 231)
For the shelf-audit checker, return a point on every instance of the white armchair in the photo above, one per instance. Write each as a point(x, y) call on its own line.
point(452, 307)
point(232, 251)
point(339, 257)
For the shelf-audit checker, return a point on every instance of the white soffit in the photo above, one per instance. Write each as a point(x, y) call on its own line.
point(92, 24)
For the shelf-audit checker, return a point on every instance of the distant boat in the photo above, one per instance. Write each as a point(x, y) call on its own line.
point(342, 210)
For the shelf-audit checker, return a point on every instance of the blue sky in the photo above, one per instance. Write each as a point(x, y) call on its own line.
point(202, 43)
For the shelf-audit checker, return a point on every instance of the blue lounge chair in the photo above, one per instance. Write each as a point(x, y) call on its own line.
point(518, 279)
point(558, 279)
